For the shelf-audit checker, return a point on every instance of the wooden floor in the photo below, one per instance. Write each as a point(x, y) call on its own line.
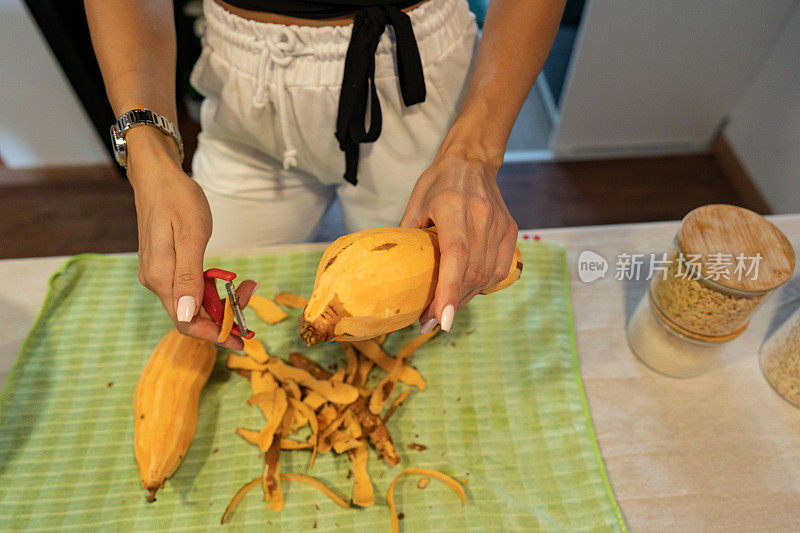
point(582, 193)
point(91, 210)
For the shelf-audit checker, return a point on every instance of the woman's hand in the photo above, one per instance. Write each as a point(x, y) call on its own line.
point(136, 50)
point(174, 223)
point(459, 195)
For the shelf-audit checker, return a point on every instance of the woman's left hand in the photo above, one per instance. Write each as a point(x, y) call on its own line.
point(477, 236)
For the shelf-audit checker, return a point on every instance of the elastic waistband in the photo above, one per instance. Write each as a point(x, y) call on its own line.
point(437, 25)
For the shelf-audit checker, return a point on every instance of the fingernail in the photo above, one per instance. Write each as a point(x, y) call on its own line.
point(185, 310)
point(448, 314)
point(258, 284)
point(428, 325)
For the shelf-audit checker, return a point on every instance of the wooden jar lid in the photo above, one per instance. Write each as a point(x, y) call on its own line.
point(730, 230)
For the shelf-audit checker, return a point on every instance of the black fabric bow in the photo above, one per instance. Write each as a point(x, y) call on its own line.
point(358, 81)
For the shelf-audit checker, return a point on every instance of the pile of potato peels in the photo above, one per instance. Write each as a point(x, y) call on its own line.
point(343, 415)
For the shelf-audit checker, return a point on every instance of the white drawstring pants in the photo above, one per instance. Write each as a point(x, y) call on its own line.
point(267, 157)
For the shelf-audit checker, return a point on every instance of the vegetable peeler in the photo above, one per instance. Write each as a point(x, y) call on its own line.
point(216, 305)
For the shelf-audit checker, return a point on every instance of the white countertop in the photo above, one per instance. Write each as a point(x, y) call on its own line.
point(715, 452)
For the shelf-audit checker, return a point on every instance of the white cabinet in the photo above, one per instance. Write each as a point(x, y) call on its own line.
point(42, 122)
point(658, 77)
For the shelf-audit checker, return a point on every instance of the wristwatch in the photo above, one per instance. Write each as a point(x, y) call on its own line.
point(140, 117)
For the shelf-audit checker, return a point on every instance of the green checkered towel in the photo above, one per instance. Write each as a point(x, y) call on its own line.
point(504, 409)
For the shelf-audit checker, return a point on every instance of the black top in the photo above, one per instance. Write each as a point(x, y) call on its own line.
point(320, 9)
point(358, 81)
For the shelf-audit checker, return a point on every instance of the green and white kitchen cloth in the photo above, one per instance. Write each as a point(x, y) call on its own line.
point(504, 409)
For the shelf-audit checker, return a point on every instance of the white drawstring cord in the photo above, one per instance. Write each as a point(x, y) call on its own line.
point(290, 153)
point(280, 53)
point(260, 96)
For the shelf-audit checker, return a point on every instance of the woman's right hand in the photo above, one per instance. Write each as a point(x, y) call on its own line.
point(174, 222)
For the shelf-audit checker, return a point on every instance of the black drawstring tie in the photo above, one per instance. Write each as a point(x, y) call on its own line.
point(358, 82)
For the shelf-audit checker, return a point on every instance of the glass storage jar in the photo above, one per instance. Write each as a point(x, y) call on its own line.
point(664, 349)
point(698, 306)
point(724, 262)
point(780, 359)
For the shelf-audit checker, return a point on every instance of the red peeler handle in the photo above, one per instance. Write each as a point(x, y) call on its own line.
point(213, 303)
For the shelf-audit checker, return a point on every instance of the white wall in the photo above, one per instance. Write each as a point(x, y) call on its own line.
point(654, 76)
point(764, 131)
point(42, 122)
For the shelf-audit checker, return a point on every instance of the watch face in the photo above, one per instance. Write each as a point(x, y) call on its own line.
point(136, 117)
point(119, 146)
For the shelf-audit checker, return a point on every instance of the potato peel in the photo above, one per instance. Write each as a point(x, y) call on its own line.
point(275, 410)
point(227, 322)
point(324, 441)
point(266, 309)
point(314, 482)
point(365, 366)
point(262, 382)
point(272, 484)
point(314, 400)
point(292, 389)
point(386, 386)
point(399, 399)
point(241, 362)
point(341, 413)
point(250, 435)
point(372, 425)
point(339, 375)
point(326, 415)
point(255, 350)
point(342, 442)
point(312, 421)
point(336, 391)
point(284, 476)
point(288, 299)
point(450, 482)
point(352, 362)
point(363, 494)
point(241, 493)
point(373, 351)
point(292, 444)
point(409, 349)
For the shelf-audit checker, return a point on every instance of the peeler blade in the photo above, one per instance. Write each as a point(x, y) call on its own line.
point(237, 311)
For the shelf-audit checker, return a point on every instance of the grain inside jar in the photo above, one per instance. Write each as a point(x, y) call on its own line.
point(724, 263)
point(701, 306)
point(780, 359)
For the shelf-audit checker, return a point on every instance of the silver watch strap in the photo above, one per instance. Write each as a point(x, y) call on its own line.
point(140, 117)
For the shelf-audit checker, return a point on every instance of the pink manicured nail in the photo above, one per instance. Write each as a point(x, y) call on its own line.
point(448, 314)
point(185, 310)
point(258, 284)
point(428, 326)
